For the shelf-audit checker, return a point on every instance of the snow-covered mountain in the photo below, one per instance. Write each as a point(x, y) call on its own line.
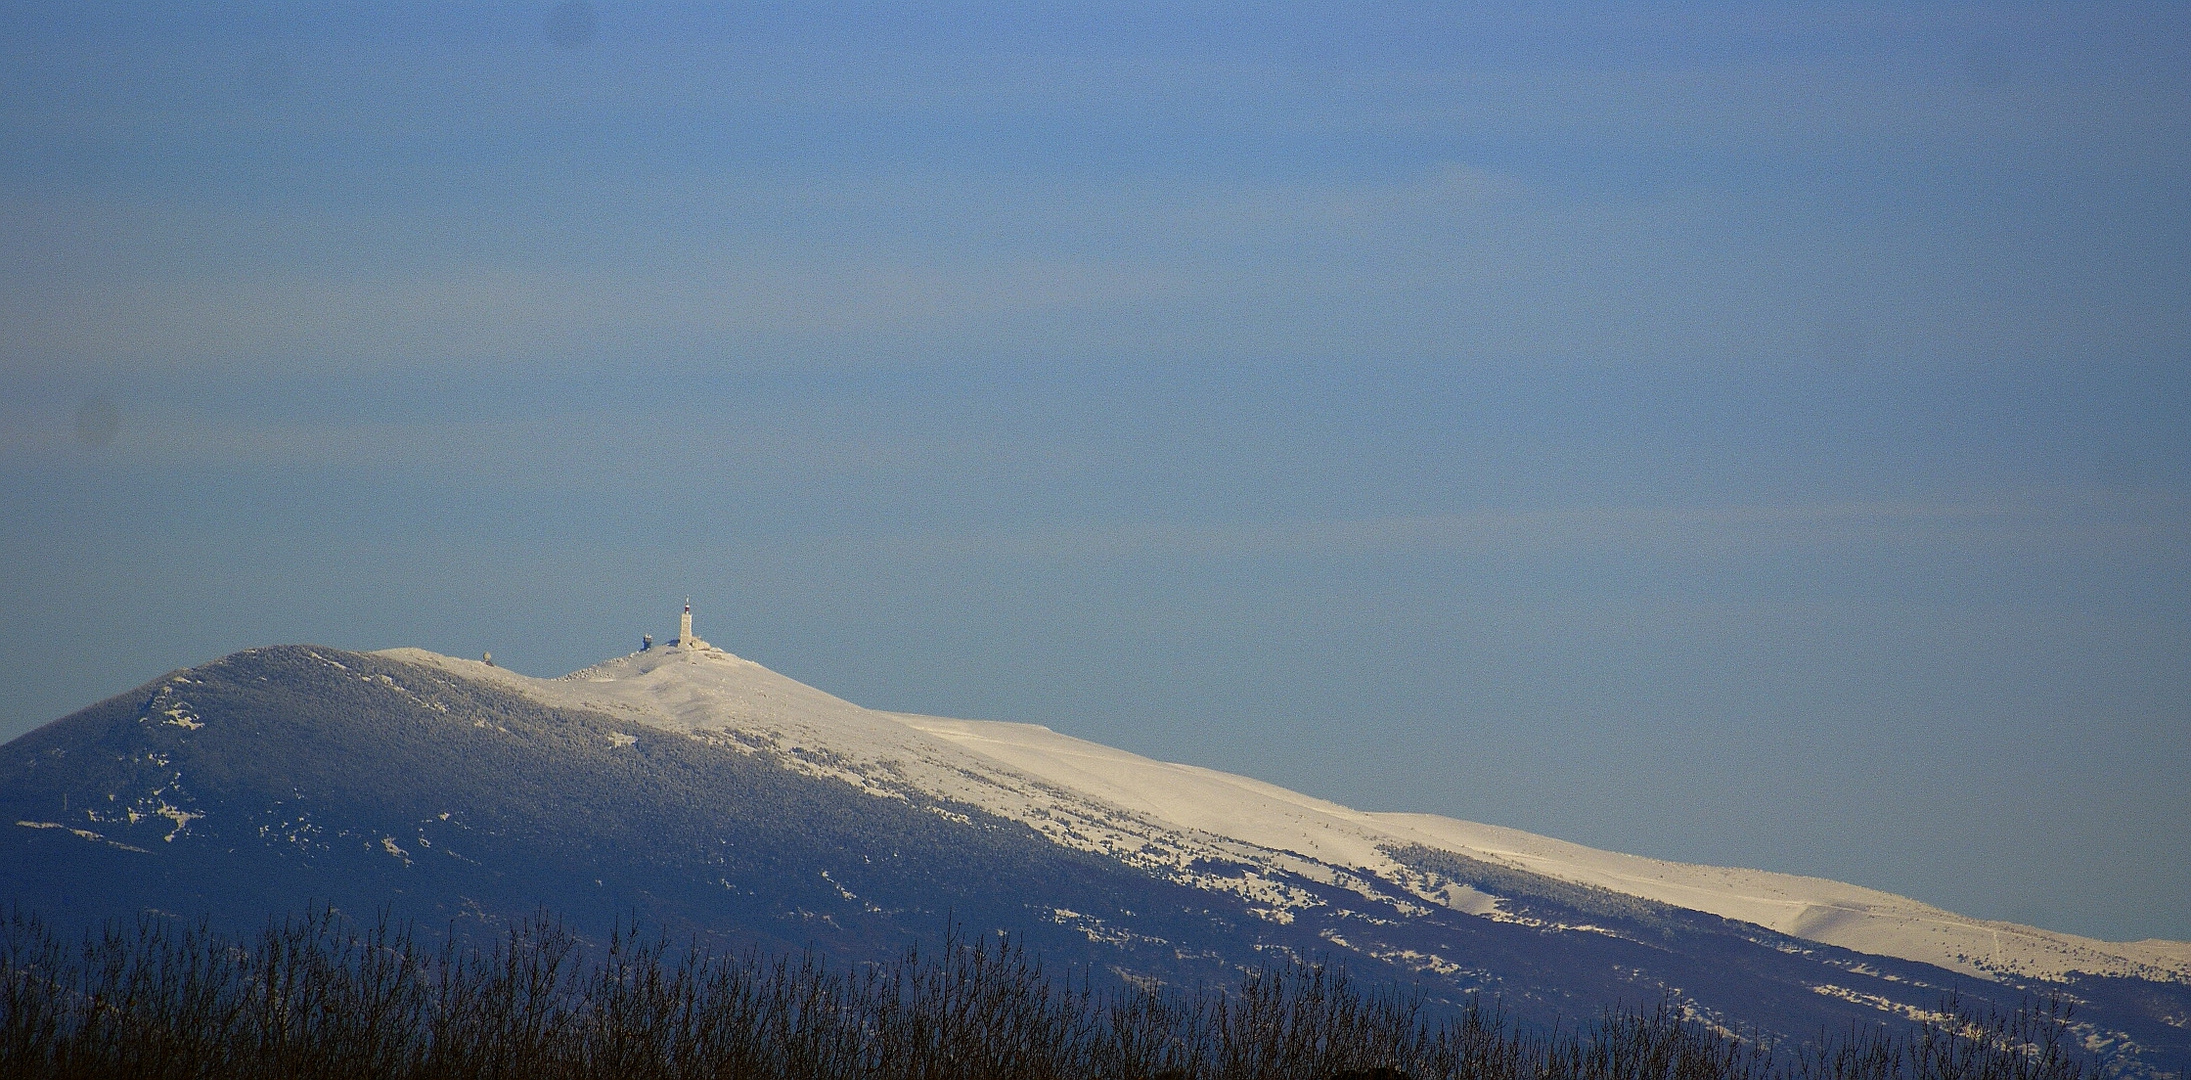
point(1170, 817)
point(703, 791)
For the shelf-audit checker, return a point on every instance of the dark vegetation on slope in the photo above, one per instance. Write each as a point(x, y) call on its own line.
point(1539, 896)
point(316, 997)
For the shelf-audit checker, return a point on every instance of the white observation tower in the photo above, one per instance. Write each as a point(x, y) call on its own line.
point(685, 640)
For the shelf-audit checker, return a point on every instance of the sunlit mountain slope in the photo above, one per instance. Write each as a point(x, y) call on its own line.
point(1086, 795)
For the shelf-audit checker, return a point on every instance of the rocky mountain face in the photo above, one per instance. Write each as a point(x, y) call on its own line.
point(702, 793)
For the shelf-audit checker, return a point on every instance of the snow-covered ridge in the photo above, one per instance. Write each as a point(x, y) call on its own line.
point(1168, 816)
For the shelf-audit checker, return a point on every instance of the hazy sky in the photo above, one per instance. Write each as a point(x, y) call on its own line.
point(1746, 435)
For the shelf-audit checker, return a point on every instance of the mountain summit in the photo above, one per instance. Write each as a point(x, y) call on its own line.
point(704, 791)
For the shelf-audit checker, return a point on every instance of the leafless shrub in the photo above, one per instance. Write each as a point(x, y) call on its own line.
point(315, 996)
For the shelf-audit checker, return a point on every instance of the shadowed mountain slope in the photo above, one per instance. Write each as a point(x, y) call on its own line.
point(702, 792)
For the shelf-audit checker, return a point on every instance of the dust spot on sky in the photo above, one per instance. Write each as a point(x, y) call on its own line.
point(269, 76)
point(571, 24)
point(1840, 338)
point(1987, 66)
point(97, 421)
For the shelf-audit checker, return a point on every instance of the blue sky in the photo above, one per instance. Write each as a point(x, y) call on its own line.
point(1746, 435)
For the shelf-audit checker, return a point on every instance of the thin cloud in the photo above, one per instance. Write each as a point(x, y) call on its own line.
point(2086, 521)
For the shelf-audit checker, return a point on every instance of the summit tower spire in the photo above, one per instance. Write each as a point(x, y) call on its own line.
point(686, 640)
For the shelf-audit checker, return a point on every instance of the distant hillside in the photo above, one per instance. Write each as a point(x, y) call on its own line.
point(703, 793)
